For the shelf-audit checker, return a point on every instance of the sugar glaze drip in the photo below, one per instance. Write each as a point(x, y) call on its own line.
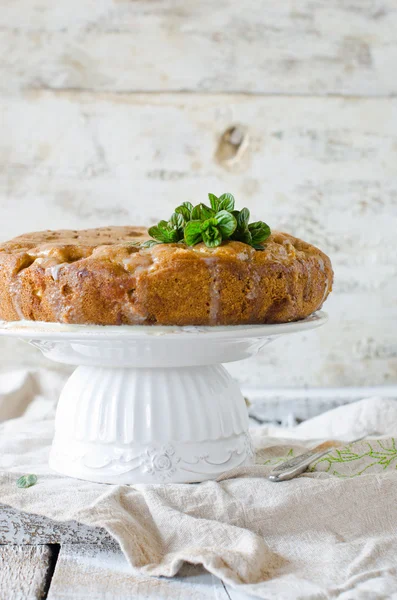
point(54, 270)
point(15, 292)
point(214, 290)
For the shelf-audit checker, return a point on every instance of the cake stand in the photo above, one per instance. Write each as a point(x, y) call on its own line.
point(150, 404)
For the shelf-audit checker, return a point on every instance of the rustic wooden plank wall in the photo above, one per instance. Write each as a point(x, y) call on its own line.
point(112, 111)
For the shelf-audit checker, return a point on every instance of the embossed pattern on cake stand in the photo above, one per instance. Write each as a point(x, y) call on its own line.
point(150, 404)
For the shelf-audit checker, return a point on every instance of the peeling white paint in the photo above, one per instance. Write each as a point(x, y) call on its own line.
point(83, 145)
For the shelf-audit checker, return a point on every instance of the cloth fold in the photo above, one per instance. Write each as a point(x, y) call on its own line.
point(329, 533)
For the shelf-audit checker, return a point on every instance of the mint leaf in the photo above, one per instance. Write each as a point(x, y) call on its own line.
point(27, 481)
point(214, 201)
point(259, 231)
point(226, 223)
point(208, 223)
point(164, 233)
point(185, 209)
point(202, 212)
point(176, 221)
point(188, 205)
point(212, 236)
point(149, 244)
point(242, 236)
point(193, 233)
point(242, 218)
point(226, 202)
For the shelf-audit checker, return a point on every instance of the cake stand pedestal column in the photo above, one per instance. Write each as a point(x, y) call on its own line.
point(144, 425)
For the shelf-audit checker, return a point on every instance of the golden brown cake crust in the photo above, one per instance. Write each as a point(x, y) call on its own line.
point(98, 276)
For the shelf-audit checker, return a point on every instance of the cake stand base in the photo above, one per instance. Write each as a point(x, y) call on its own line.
point(149, 425)
point(150, 404)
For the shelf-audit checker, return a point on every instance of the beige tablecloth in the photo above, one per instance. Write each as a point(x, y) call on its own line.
point(330, 533)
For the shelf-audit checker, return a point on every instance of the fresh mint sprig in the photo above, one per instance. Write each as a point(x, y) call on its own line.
point(209, 224)
point(250, 233)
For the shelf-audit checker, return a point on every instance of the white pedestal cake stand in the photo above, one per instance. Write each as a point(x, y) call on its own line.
point(150, 404)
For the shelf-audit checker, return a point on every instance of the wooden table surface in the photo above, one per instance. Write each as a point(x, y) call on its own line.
point(100, 571)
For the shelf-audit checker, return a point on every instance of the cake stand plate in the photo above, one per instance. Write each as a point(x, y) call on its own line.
point(150, 404)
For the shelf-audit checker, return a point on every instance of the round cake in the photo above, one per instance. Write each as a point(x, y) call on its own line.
point(105, 276)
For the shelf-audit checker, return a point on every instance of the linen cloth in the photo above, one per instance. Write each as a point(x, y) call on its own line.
point(329, 533)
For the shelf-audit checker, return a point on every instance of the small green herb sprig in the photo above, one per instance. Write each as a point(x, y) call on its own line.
point(27, 481)
point(209, 224)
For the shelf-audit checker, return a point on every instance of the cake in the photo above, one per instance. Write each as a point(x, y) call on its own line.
point(107, 276)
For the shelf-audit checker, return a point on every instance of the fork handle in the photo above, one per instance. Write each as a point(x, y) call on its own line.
point(295, 466)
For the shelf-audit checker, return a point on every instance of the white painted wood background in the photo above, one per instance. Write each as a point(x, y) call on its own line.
point(114, 111)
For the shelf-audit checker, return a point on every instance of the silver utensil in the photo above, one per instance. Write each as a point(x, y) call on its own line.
point(295, 466)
